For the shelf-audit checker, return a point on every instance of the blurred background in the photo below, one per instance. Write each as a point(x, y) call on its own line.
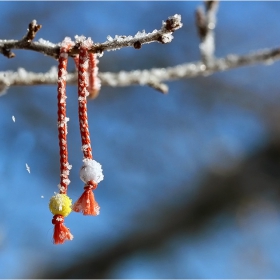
point(192, 178)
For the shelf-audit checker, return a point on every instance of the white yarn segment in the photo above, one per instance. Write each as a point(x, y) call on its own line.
point(91, 171)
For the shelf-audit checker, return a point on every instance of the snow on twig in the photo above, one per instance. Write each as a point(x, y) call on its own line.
point(164, 35)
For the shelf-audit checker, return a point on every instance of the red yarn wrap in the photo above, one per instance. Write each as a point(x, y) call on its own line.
point(82, 97)
point(61, 233)
point(61, 115)
point(93, 80)
point(87, 203)
point(76, 60)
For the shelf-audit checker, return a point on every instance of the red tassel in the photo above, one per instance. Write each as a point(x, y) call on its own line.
point(87, 203)
point(61, 232)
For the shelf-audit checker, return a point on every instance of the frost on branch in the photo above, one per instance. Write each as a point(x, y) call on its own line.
point(164, 36)
point(205, 21)
point(172, 23)
point(20, 77)
point(152, 77)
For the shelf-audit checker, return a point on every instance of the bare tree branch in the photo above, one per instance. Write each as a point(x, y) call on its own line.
point(164, 36)
point(153, 77)
point(188, 70)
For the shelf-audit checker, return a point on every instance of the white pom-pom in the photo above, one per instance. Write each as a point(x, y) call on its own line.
point(91, 171)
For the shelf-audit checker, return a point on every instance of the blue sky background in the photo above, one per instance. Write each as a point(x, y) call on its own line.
point(149, 145)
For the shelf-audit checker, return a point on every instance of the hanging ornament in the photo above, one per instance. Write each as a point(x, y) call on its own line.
point(91, 171)
point(60, 203)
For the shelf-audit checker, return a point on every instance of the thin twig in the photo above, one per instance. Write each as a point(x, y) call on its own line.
point(32, 30)
point(163, 88)
point(164, 36)
point(206, 23)
point(25, 43)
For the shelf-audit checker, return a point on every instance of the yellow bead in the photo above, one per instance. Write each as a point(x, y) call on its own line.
point(60, 204)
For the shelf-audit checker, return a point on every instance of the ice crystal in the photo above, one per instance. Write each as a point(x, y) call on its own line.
point(173, 22)
point(100, 54)
point(109, 38)
point(22, 74)
point(66, 181)
point(67, 165)
point(87, 43)
point(79, 39)
point(46, 43)
point(66, 42)
point(140, 34)
point(167, 38)
point(63, 123)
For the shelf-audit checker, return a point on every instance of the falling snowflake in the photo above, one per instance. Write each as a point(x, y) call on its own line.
point(13, 118)
point(27, 168)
